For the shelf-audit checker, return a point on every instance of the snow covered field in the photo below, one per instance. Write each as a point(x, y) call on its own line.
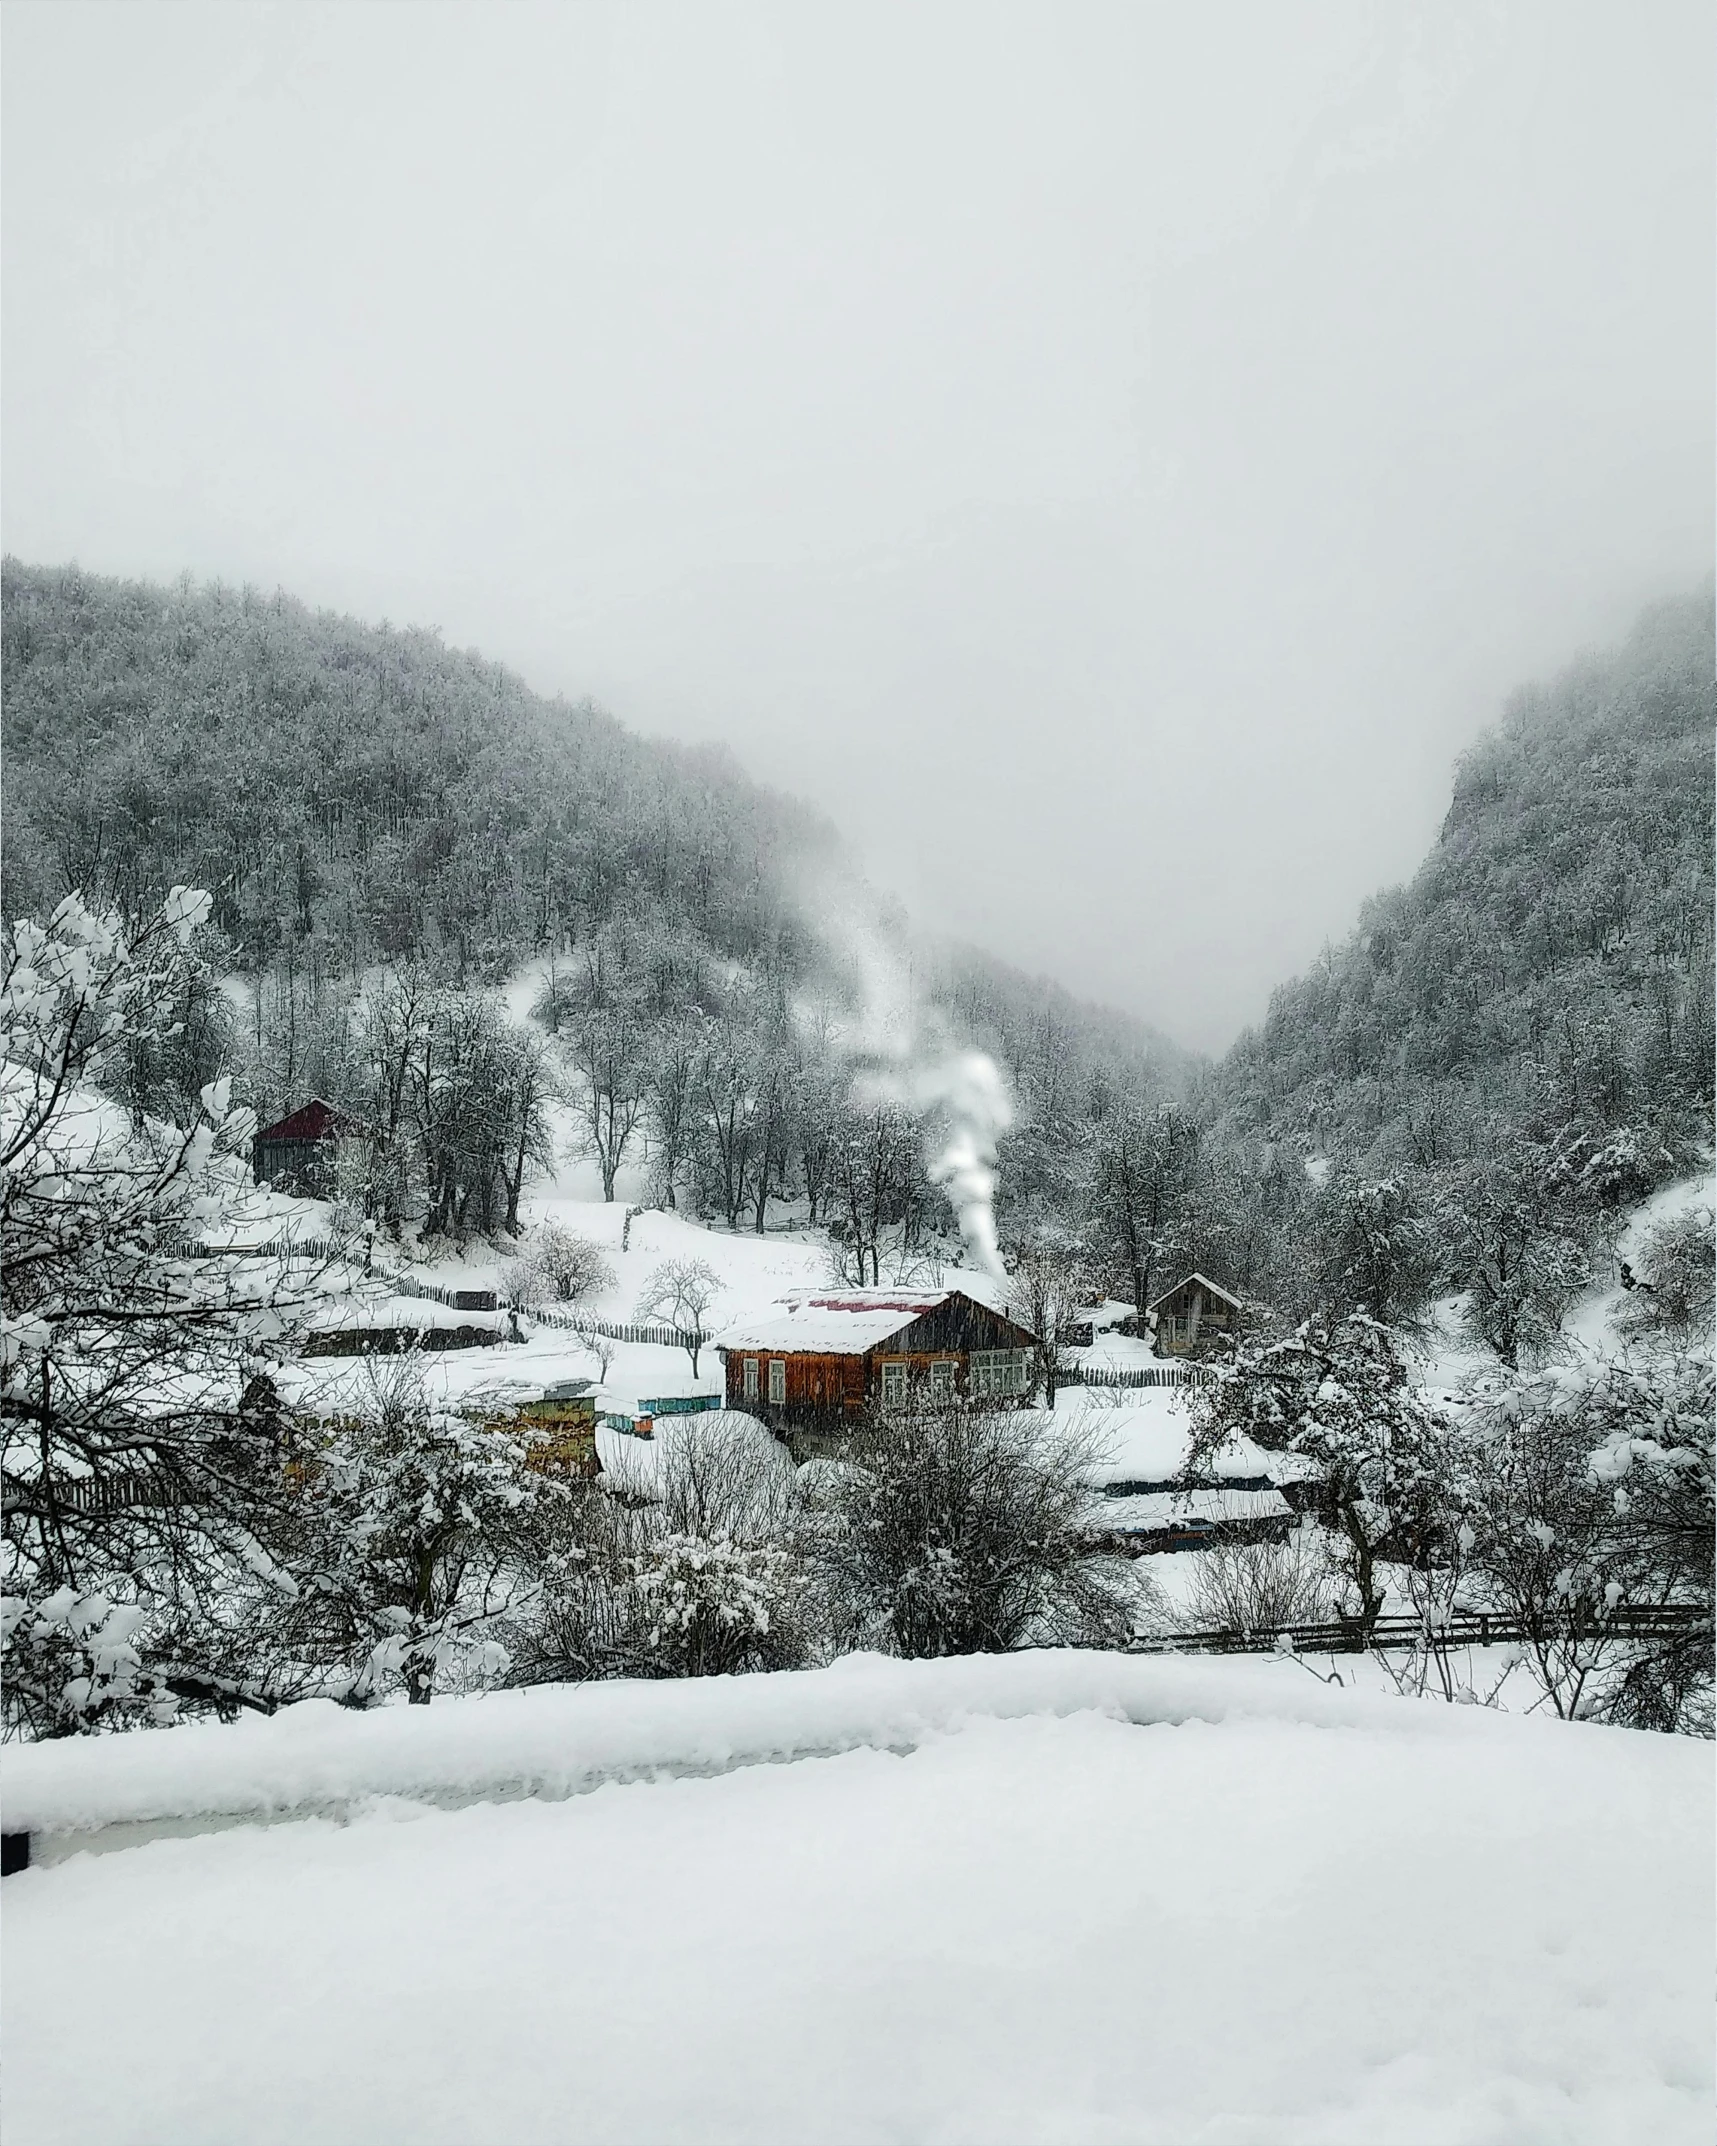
point(1043, 1898)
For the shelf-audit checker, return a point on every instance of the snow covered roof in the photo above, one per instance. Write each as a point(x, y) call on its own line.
point(1147, 1440)
point(1162, 1511)
point(315, 1121)
point(843, 1322)
point(1204, 1282)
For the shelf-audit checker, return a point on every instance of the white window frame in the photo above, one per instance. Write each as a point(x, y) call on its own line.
point(893, 1384)
point(777, 1381)
point(751, 1378)
point(942, 1378)
point(1000, 1373)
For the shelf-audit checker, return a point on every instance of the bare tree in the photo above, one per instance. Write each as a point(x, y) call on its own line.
point(572, 1266)
point(1049, 1283)
point(606, 1038)
point(528, 1093)
point(679, 1292)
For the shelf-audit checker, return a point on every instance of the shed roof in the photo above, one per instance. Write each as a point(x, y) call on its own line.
point(1203, 1280)
point(316, 1120)
point(844, 1323)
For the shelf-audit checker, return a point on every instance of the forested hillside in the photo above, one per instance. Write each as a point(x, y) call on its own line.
point(1518, 1041)
point(355, 793)
point(390, 829)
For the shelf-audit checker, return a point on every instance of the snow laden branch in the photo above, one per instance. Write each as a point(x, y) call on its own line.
point(139, 1433)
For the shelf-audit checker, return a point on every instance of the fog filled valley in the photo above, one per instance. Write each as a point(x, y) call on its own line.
point(447, 1139)
point(402, 841)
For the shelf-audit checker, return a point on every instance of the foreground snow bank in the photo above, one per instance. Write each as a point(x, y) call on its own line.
point(1298, 1918)
point(321, 1759)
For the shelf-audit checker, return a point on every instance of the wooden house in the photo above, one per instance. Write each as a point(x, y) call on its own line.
point(817, 1359)
point(1194, 1314)
point(303, 1152)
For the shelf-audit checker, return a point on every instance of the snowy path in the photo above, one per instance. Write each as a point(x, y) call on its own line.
point(1373, 1921)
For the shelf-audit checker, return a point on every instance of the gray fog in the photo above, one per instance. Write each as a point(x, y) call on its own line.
point(1110, 458)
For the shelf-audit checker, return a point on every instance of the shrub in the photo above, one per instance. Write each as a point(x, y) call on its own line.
point(960, 1530)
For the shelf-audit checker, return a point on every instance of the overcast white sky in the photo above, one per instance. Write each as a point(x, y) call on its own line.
point(1111, 458)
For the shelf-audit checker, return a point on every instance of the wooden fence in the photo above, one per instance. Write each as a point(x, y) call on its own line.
point(1466, 1628)
point(96, 1494)
point(578, 1322)
point(1144, 1375)
point(276, 1248)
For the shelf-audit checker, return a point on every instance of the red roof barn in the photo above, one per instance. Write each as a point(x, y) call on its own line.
point(302, 1152)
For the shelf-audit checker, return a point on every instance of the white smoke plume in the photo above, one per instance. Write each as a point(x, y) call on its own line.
point(967, 1094)
point(902, 1052)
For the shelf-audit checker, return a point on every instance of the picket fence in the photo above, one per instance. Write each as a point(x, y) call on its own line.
point(1145, 1375)
point(275, 1248)
point(100, 1494)
point(575, 1322)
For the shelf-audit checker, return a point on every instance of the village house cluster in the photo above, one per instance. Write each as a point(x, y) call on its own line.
point(810, 1363)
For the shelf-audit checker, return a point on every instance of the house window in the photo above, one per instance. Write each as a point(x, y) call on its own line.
point(998, 1371)
point(777, 1381)
point(751, 1378)
point(942, 1380)
point(894, 1382)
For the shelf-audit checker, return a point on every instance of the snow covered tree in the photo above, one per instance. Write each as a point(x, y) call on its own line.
point(1049, 1283)
point(140, 1450)
point(1374, 1252)
point(1547, 1544)
point(1337, 1393)
point(1517, 1246)
point(1658, 1462)
point(1146, 1171)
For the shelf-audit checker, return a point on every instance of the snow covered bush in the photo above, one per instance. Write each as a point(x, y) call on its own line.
point(1261, 1586)
point(1670, 1298)
point(419, 1532)
point(713, 1608)
point(725, 1475)
point(557, 1266)
point(961, 1530)
point(705, 1576)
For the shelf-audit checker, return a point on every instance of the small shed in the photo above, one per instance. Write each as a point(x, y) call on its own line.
point(564, 1418)
point(818, 1359)
point(1195, 1313)
point(302, 1153)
